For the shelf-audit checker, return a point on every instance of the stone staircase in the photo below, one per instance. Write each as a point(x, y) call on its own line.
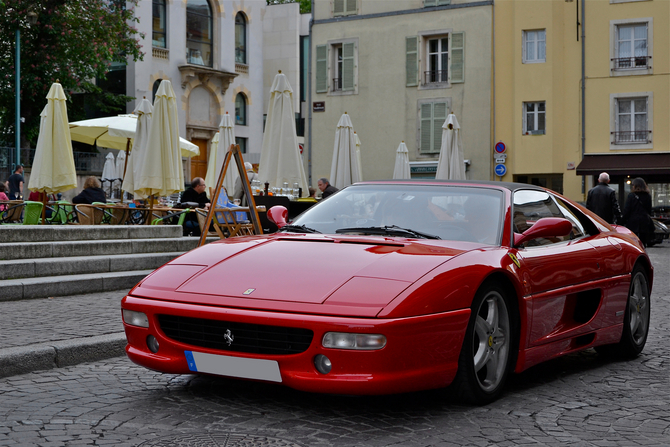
point(45, 261)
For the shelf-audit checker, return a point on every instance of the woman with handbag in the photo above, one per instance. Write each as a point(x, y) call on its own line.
point(637, 211)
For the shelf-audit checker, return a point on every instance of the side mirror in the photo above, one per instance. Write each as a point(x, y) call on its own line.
point(545, 227)
point(278, 214)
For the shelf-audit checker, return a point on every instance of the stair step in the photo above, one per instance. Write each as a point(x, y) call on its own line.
point(52, 249)
point(65, 285)
point(32, 268)
point(61, 233)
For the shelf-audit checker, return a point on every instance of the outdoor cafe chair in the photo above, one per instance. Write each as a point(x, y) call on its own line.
point(174, 218)
point(89, 214)
point(12, 212)
point(31, 212)
point(62, 212)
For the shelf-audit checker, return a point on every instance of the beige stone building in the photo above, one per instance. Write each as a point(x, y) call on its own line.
point(398, 68)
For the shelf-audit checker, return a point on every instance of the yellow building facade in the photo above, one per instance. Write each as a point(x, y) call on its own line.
point(563, 122)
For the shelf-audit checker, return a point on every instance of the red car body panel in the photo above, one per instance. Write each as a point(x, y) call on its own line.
point(416, 292)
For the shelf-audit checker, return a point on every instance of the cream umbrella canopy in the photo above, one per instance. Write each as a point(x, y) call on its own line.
point(358, 156)
point(161, 171)
point(53, 168)
point(450, 165)
point(217, 153)
point(344, 168)
point(280, 156)
point(401, 170)
point(143, 111)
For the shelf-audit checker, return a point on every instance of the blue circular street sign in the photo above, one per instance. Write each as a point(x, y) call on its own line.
point(500, 147)
point(501, 170)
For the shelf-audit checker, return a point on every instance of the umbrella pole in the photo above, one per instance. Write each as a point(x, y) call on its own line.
point(151, 210)
point(44, 206)
point(125, 164)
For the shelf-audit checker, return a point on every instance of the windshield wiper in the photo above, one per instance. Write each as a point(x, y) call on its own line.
point(390, 230)
point(298, 229)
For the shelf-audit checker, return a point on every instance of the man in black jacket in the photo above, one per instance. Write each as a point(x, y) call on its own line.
point(195, 194)
point(602, 201)
point(326, 188)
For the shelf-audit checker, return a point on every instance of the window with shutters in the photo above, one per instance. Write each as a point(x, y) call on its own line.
point(534, 118)
point(631, 120)
point(432, 115)
point(337, 67)
point(631, 47)
point(435, 60)
point(429, 3)
point(344, 7)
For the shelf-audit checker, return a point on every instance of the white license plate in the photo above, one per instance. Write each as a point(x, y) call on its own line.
point(241, 367)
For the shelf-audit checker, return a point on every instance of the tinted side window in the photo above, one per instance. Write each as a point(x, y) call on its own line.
point(531, 206)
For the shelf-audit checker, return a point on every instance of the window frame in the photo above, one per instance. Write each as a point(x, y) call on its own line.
point(326, 61)
point(436, 136)
point(615, 25)
point(614, 120)
point(243, 25)
point(435, 3)
point(536, 113)
point(162, 4)
point(190, 52)
point(348, 7)
point(241, 117)
point(423, 49)
point(524, 42)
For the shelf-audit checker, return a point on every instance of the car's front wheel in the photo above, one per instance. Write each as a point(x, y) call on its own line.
point(486, 356)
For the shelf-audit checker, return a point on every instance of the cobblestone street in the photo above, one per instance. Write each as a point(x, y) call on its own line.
point(580, 400)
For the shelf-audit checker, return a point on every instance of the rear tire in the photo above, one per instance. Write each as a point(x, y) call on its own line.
point(487, 353)
point(636, 319)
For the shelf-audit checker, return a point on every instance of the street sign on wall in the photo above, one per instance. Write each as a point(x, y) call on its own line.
point(501, 170)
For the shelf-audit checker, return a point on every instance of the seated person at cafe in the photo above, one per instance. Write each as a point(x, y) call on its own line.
point(3, 196)
point(195, 194)
point(91, 193)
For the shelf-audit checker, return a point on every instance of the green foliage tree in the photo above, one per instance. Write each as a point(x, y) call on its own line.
point(73, 42)
point(305, 5)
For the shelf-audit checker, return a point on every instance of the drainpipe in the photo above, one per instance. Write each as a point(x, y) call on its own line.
point(309, 103)
point(493, 51)
point(583, 93)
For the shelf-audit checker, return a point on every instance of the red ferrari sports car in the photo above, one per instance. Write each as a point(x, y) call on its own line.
point(396, 286)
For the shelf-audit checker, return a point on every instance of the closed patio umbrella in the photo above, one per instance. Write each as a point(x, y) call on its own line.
point(451, 165)
point(143, 111)
point(344, 169)
point(401, 170)
point(53, 169)
point(358, 155)
point(108, 173)
point(280, 156)
point(217, 153)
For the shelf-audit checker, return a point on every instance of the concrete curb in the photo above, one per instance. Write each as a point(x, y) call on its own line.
point(58, 354)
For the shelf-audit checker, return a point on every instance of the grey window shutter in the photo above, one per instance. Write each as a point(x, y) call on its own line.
point(351, 7)
point(412, 61)
point(443, 2)
point(428, 3)
point(321, 68)
point(426, 127)
point(457, 58)
point(439, 117)
point(348, 68)
point(338, 7)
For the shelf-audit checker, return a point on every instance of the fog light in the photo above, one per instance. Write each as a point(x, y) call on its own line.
point(344, 340)
point(322, 364)
point(152, 343)
point(135, 318)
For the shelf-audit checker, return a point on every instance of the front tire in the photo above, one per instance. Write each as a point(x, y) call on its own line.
point(487, 352)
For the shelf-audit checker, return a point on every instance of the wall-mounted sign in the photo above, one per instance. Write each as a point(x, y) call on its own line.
point(571, 165)
point(501, 170)
point(319, 106)
point(500, 158)
point(500, 147)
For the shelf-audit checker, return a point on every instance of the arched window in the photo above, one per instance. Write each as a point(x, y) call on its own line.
point(159, 36)
point(199, 33)
point(155, 90)
point(240, 109)
point(240, 39)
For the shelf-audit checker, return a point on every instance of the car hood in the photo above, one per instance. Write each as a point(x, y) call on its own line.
point(301, 269)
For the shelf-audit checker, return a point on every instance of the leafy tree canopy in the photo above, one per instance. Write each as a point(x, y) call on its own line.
point(73, 42)
point(305, 5)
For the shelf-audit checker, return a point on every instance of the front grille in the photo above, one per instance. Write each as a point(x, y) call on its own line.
point(249, 338)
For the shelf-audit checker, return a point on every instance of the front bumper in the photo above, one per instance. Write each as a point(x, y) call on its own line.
point(421, 352)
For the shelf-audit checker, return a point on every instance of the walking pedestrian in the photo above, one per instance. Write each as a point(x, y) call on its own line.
point(602, 200)
point(637, 211)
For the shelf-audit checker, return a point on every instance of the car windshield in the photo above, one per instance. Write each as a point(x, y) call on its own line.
point(417, 211)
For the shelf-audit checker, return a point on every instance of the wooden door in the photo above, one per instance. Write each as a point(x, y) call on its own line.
point(199, 163)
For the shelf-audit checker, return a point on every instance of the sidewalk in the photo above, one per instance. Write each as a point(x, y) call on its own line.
point(55, 332)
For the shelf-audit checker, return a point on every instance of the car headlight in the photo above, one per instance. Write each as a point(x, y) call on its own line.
point(134, 318)
point(345, 340)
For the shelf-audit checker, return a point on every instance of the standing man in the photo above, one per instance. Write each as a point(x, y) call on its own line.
point(326, 188)
point(602, 201)
point(16, 184)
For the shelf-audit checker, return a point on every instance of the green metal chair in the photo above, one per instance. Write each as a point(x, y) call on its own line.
point(170, 218)
point(32, 213)
point(62, 213)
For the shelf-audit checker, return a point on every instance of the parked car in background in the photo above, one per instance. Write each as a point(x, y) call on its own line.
point(397, 286)
point(661, 232)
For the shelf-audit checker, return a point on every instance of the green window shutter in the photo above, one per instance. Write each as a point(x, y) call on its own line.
point(412, 61)
point(426, 127)
point(338, 7)
point(457, 58)
point(351, 7)
point(348, 68)
point(321, 68)
point(439, 117)
point(428, 3)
